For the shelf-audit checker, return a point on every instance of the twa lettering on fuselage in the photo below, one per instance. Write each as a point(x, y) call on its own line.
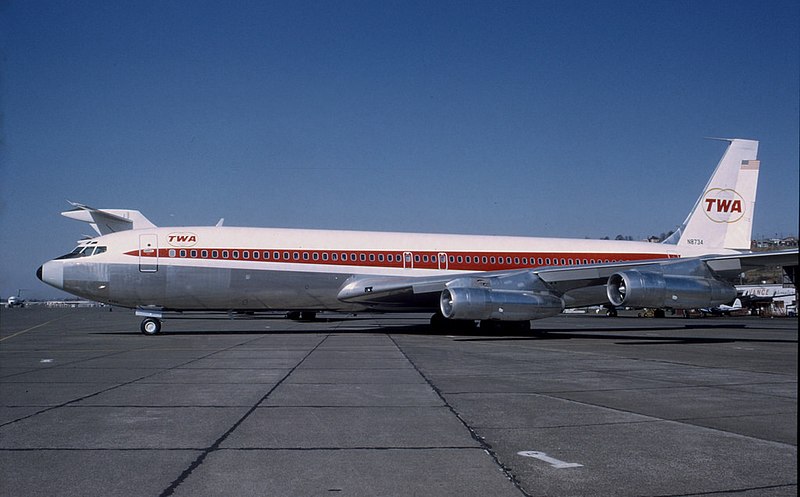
point(182, 239)
point(723, 205)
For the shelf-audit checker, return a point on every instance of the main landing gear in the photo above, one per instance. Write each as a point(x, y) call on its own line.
point(150, 326)
point(301, 315)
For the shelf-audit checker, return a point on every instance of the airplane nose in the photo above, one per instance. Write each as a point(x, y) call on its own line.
point(52, 273)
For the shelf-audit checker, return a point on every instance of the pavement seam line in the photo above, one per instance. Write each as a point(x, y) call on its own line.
point(33, 327)
point(158, 371)
point(216, 445)
point(486, 447)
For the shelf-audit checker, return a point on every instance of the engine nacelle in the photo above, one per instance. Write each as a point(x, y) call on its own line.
point(634, 288)
point(503, 305)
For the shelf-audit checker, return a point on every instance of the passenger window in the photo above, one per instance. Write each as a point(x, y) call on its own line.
point(224, 254)
point(214, 254)
point(204, 254)
point(183, 253)
point(235, 254)
point(353, 257)
point(286, 256)
point(324, 256)
point(315, 256)
point(380, 257)
point(245, 254)
point(335, 256)
point(193, 253)
point(363, 257)
point(305, 256)
point(172, 252)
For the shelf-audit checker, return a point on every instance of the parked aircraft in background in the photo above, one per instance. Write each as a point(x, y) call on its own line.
point(723, 309)
point(458, 278)
point(15, 301)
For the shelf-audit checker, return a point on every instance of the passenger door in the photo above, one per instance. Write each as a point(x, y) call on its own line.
point(148, 253)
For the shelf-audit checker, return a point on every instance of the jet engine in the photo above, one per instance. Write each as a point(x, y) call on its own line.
point(636, 288)
point(504, 305)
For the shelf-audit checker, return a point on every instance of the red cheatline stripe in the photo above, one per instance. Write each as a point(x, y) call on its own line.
point(478, 261)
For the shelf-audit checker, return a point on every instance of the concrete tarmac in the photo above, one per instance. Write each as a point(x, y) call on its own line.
point(370, 406)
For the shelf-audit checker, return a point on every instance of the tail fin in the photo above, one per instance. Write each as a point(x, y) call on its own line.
point(105, 221)
point(723, 215)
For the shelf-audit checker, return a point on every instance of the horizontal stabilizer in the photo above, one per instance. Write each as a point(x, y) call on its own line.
point(105, 221)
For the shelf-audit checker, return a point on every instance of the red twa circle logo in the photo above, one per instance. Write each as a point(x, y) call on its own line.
point(723, 205)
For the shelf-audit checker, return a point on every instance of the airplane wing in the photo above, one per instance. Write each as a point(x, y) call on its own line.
point(577, 285)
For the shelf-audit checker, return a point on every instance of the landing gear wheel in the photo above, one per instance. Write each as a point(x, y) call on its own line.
point(506, 326)
point(442, 324)
point(150, 326)
point(308, 316)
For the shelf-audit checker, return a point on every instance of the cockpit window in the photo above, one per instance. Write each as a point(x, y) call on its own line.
point(83, 251)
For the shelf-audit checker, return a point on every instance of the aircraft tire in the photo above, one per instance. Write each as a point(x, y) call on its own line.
point(308, 316)
point(150, 326)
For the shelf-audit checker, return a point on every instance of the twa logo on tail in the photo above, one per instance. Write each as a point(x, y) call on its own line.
point(723, 205)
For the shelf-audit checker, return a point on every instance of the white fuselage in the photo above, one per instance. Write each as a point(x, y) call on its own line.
point(229, 268)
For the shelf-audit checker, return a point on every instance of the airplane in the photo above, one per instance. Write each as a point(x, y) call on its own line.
point(723, 309)
point(15, 301)
point(460, 279)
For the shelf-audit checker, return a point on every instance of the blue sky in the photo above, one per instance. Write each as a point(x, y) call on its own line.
point(557, 118)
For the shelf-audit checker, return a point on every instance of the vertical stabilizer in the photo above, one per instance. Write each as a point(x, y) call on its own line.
point(723, 215)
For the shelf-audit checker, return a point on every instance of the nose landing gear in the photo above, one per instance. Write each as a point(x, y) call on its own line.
point(150, 326)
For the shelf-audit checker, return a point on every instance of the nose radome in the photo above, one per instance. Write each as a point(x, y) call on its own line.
point(52, 273)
